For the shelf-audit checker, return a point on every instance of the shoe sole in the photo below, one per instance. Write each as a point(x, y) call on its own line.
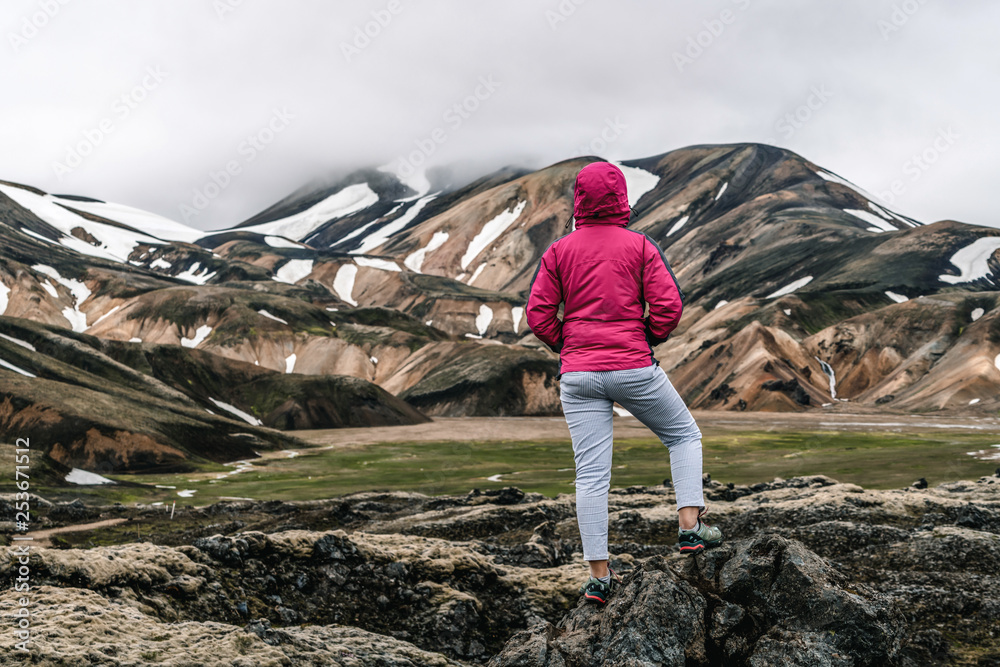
point(595, 598)
point(697, 548)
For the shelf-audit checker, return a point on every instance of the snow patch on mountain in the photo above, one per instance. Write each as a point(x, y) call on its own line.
point(17, 341)
point(877, 223)
point(16, 369)
point(720, 304)
point(788, 289)
point(343, 282)
point(271, 317)
point(638, 182)
point(972, 260)
point(196, 274)
point(294, 270)
point(678, 224)
point(376, 263)
point(79, 476)
point(382, 234)
point(415, 260)
point(105, 316)
point(722, 191)
point(977, 313)
point(80, 292)
point(144, 221)
point(4, 298)
point(516, 313)
point(199, 337)
point(248, 418)
point(344, 202)
point(483, 319)
point(159, 263)
point(490, 232)
point(475, 274)
point(898, 298)
point(116, 243)
point(290, 363)
point(280, 242)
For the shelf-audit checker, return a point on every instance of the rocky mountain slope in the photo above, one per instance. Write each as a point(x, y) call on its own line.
point(801, 291)
point(813, 573)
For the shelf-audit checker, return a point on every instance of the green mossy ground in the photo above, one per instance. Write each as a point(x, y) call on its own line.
point(872, 460)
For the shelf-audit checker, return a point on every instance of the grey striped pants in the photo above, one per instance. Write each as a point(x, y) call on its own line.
point(647, 393)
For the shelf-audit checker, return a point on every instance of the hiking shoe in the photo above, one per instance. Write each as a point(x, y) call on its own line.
point(597, 591)
point(700, 538)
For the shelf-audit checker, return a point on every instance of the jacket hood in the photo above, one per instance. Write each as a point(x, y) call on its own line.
point(600, 195)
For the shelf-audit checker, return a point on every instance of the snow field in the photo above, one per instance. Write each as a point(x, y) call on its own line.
point(199, 337)
point(415, 260)
point(231, 409)
point(898, 298)
point(382, 234)
point(678, 224)
point(80, 292)
point(17, 341)
point(78, 476)
point(972, 260)
point(16, 369)
point(638, 182)
point(516, 313)
point(490, 232)
point(343, 282)
point(294, 270)
point(270, 316)
point(349, 200)
point(788, 289)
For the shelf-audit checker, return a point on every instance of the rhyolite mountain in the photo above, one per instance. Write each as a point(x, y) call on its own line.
point(801, 292)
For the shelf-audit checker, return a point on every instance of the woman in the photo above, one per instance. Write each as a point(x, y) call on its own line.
point(604, 274)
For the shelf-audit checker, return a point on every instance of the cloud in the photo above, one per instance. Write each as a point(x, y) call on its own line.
point(363, 84)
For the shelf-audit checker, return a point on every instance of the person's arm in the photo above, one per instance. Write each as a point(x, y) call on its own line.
point(545, 295)
point(661, 292)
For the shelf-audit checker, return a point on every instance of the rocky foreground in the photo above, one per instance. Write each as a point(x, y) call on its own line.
point(814, 573)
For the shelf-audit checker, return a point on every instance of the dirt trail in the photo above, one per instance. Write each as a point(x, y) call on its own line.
point(42, 536)
point(554, 428)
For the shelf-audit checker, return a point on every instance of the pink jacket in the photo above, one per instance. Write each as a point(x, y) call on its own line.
point(603, 273)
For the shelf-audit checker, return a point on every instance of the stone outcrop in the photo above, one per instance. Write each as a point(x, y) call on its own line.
point(813, 572)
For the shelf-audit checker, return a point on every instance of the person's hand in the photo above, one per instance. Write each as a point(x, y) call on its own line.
point(650, 338)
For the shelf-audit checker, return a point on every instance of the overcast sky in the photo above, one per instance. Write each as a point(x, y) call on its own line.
point(140, 102)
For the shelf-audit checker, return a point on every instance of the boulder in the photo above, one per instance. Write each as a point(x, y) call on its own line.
point(763, 601)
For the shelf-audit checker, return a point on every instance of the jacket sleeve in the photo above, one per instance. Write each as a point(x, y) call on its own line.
point(544, 297)
point(662, 292)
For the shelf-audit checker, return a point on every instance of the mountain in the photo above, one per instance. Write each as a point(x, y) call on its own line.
point(801, 293)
